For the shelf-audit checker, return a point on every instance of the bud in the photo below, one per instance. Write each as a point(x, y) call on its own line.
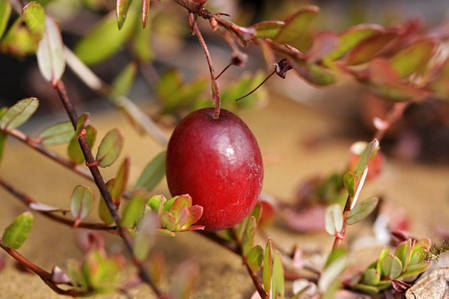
point(213, 23)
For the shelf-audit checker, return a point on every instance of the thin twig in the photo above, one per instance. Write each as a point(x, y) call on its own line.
point(257, 87)
point(99, 181)
point(224, 70)
point(394, 115)
point(28, 201)
point(214, 83)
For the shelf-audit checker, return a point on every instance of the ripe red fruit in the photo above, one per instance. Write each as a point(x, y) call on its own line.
point(217, 162)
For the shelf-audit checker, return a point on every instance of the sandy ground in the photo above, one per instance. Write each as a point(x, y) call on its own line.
point(279, 128)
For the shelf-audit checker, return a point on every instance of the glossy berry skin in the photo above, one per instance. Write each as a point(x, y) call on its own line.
point(217, 162)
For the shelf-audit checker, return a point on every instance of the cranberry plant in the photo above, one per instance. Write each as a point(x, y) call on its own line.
point(402, 64)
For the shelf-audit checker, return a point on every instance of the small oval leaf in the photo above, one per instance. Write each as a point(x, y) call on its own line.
point(59, 133)
point(362, 210)
point(81, 202)
point(333, 219)
point(34, 16)
point(110, 148)
point(17, 232)
point(255, 258)
point(153, 173)
point(19, 113)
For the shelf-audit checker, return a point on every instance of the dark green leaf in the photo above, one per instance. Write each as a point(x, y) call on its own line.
point(104, 214)
point(134, 211)
point(110, 147)
point(59, 133)
point(403, 252)
point(268, 29)
point(74, 150)
point(349, 181)
point(413, 59)
point(5, 13)
point(391, 266)
point(255, 258)
point(3, 138)
point(153, 173)
point(81, 202)
point(18, 114)
point(297, 25)
point(248, 236)
point(122, 7)
point(268, 267)
point(369, 48)
point(278, 277)
point(361, 210)
point(124, 81)
point(17, 232)
point(121, 181)
point(50, 52)
point(104, 40)
point(34, 16)
point(333, 219)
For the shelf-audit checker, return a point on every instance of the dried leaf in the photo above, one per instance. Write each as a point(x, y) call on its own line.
point(17, 232)
point(110, 147)
point(18, 114)
point(59, 133)
point(50, 52)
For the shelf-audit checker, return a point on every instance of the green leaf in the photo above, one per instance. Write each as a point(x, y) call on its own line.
point(391, 267)
point(351, 38)
point(369, 48)
point(361, 210)
point(123, 82)
point(312, 73)
point(18, 114)
point(367, 289)
point(371, 277)
point(403, 252)
point(333, 219)
point(153, 173)
point(19, 41)
point(104, 40)
point(120, 181)
point(100, 272)
point(255, 258)
point(59, 133)
point(110, 147)
point(34, 16)
point(297, 25)
point(248, 236)
point(413, 59)
point(122, 7)
point(17, 232)
point(141, 46)
point(278, 277)
point(268, 29)
point(103, 212)
point(419, 251)
point(415, 269)
point(382, 255)
point(81, 202)
point(368, 153)
point(50, 52)
point(349, 182)
point(76, 276)
point(268, 267)
point(334, 255)
point(5, 13)
point(331, 273)
point(74, 150)
point(156, 203)
point(146, 233)
point(134, 211)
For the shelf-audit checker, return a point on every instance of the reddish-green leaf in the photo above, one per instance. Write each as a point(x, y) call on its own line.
point(122, 7)
point(333, 219)
point(34, 16)
point(195, 213)
point(145, 12)
point(74, 150)
point(5, 13)
point(81, 202)
point(403, 252)
point(255, 258)
point(153, 173)
point(18, 114)
point(370, 277)
point(361, 210)
point(101, 272)
point(268, 29)
point(297, 25)
point(104, 40)
point(369, 48)
point(415, 269)
point(17, 232)
point(50, 52)
point(110, 147)
point(268, 267)
point(413, 59)
point(391, 267)
point(312, 73)
point(59, 133)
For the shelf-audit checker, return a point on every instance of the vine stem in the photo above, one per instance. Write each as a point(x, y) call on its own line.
point(43, 274)
point(213, 78)
point(99, 181)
